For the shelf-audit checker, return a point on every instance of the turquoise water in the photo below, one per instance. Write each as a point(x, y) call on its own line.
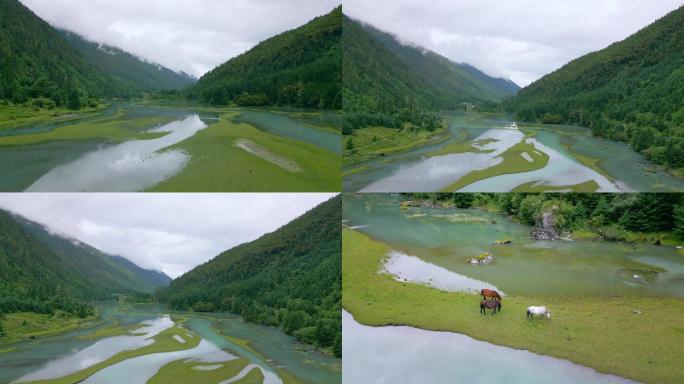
point(621, 169)
point(60, 355)
point(101, 165)
point(446, 238)
point(285, 125)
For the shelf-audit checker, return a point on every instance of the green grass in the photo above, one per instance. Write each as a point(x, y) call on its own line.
point(28, 325)
point(12, 116)
point(587, 186)
point(112, 330)
point(599, 332)
point(182, 371)
point(461, 147)
point(218, 165)
point(373, 142)
point(513, 162)
point(112, 129)
point(163, 342)
point(286, 377)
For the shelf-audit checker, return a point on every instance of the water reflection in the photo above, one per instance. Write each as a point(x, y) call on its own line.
point(412, 269)
point(408, 355)
point(100, 351)
point(130, 166)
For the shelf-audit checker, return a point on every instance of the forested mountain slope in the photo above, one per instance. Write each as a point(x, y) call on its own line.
point(632, 91)
point(132, 71)
point(40, 271)
point(36, 61)
point(300, 68)
point(106, 273)
point(290, 278)
point(383, 76)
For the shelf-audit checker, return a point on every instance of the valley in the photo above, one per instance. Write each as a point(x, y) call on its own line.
point(163, 344)
point(493, 152)
point(132, 147)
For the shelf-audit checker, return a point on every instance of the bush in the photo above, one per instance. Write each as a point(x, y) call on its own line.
point(306, 335)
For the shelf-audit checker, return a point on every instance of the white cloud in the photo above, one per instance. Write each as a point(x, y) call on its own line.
point(521, 39)
point(169, 232)
point(191, 36)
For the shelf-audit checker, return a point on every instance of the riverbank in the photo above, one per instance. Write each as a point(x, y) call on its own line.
point(23, 326)
point(18, 115)
point(610, 233)
point(218, 163)
point(374, 142)
point(521, 157)
point(603, 333)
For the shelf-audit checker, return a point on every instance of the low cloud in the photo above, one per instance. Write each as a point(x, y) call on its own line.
point(521, 40)
point(191, 36)
point(169, 232)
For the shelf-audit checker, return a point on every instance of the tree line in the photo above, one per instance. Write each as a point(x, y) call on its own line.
point(636, 212)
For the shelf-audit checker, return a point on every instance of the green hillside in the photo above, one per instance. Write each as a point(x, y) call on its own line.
point(389, 83)
point(105, 273)
point(290, 278)
point(37, 62)
point(135, 73)
point(41, 272)
point(299, 68)
point(631, 91)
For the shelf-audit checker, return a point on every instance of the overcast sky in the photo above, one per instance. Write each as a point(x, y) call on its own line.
point(193, 36)
point(517, 39)
point(169, 232)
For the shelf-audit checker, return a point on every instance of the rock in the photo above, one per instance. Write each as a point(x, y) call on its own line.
point(493, 221)
point(484, 258)
point(636, 311)
point(657, 242)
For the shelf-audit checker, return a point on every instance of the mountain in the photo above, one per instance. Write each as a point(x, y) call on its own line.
point(136, 73)
point(290, 278)
point(382, 75)
point(36, 61)
point(300, 68)
point(633, 91)
point(40, 270)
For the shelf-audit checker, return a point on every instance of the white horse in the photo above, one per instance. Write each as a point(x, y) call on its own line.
point(539, 311)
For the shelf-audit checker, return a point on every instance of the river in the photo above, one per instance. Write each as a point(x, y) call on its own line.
point(269, 349)
point(617, 167)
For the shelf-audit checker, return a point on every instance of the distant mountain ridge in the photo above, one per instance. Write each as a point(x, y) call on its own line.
point(46, 269)
point(381, 72)
point(299, 68)
point(39, 61)
point(135, 72)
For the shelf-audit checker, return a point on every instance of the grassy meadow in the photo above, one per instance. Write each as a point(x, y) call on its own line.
point(603, 333)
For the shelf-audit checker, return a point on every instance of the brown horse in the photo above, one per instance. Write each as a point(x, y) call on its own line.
point(494, 305)
point(489, 293)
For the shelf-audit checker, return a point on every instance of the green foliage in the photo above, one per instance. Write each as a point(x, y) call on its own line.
point(387, 83)
point(246, 99)
point(290, 278)
point(37, 62)
point(631, 91)
point(41, 272)
point(679, 218)
point(464, 200)
point(636, 212)
point(298, 68)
